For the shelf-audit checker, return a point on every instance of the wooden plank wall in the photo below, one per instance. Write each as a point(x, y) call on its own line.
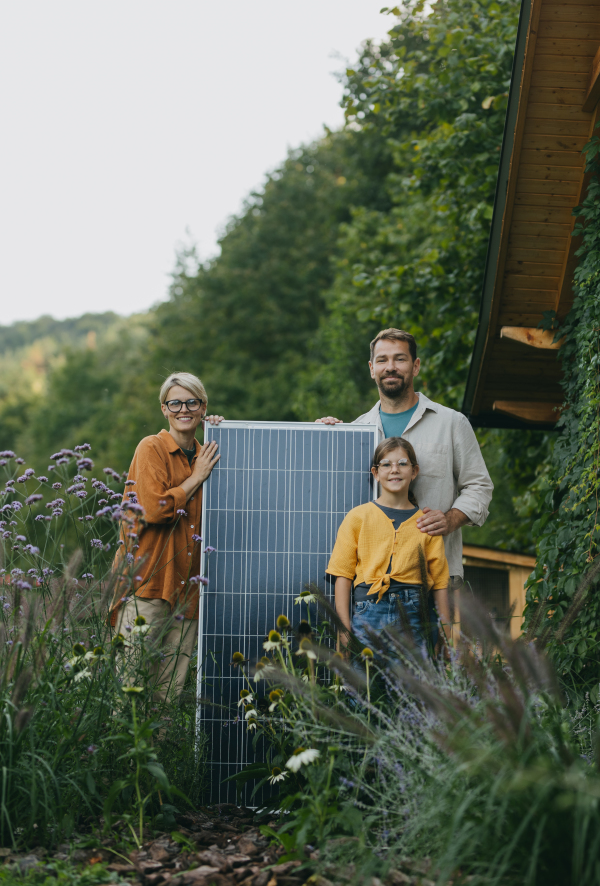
point(549, 177)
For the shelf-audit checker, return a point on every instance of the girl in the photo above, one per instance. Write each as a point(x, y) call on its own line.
point(380, 550)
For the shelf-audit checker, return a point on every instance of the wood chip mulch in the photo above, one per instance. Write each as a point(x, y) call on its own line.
point(224, 847)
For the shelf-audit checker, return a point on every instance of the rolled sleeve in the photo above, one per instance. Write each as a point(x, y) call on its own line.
point(473, 481)
point(160, 503)
point(345, 551)
point(437, 565)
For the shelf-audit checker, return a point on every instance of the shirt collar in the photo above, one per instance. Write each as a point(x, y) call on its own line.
point(423, 404)
point(170, 443)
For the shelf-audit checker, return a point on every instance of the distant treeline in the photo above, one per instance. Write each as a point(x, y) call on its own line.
point(382, 223)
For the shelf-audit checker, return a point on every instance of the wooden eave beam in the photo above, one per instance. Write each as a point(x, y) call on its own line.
point(592, 96)
point(536, 413)
point(535, 338)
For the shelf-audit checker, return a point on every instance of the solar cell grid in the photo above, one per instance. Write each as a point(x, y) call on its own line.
point(271, 508)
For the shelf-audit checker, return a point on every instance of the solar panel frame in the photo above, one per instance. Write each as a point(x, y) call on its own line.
point(278, 460)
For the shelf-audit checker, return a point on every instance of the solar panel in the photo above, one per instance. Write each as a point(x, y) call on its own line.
point(271, 508)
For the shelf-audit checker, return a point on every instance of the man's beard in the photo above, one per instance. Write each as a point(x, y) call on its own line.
point(393, 387)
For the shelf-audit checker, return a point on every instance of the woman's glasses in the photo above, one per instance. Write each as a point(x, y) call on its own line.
point(177, 405)
point(388, 465)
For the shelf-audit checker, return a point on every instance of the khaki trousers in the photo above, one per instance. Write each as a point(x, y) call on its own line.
point(174, 639)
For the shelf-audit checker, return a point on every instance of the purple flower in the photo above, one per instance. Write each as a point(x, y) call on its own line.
point(75, 488)
point(83, 447)
point(43, 479)
point(16, 505)
point(197, 538)
point(179, 617)
point(62, 461)
point(103, 511)
point(22, 479)
point(181, 512)
point(112, 473)
point(129, 558)
point(29, 472)
point(10, 482)
point(23, 585)
point(203, 580)
point(3, 462)
point(162, 502)
point(96, 543)
point(39, 517)
point(20, 461)
point(57, 485)
point(134, 506)
point(31, 549)
point(130, 482)
point(209, 549)
point(85, 464)
point(7, 453)
point(82, 494)
point(33, 498)
point(87, 575)
point(91, 749)
point(57, 512)
point(20, 538)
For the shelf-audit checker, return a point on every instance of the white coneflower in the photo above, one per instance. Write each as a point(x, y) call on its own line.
point(140, 626)
point(277, 774)
point(273, 642)
point(301, 757)
point(251, 724)
point(245, 698)
point(250, 713)
point(275, 697)
point(132, 690)
point(305, 597)
point(80, 675)
point(305, 648)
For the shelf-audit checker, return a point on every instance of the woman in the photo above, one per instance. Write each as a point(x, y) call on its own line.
point(159, 552)
point(392, 564)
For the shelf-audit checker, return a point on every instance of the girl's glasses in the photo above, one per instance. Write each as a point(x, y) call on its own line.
point(177, 405)
point(388, 465)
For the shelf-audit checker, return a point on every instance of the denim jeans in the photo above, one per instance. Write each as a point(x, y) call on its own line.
point(374, 616)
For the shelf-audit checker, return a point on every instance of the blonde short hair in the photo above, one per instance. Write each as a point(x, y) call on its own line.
point(186, 380)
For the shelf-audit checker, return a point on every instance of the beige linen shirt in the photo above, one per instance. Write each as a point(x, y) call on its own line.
point(452, 472)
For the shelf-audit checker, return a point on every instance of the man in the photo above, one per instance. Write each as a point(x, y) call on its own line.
point(453, 487)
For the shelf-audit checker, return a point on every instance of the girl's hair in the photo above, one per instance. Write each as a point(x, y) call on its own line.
point(387, 446)
point(188, 381)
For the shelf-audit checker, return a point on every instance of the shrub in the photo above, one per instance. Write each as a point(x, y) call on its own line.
point(78, 722)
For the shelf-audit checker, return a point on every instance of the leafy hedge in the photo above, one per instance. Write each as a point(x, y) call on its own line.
point(569, 530)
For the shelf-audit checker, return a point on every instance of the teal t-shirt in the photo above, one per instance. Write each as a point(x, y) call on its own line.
point(394, 423)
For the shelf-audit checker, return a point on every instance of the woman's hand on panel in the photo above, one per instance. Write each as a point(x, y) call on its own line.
point(205, 461)
point(214, 419)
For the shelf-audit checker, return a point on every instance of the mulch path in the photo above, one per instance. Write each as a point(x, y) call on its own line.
point(224, 847)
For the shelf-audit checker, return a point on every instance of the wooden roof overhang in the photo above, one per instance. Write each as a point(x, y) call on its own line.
point(514, 378)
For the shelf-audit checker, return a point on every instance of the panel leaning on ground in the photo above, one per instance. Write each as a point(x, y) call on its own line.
point(272, 508)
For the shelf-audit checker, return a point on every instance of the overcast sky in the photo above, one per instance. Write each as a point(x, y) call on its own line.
point(127, 122)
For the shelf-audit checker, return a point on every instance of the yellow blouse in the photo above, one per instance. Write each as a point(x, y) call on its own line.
point(367, 540)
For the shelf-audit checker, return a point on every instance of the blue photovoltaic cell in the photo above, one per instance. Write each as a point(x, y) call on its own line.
point(272, 507)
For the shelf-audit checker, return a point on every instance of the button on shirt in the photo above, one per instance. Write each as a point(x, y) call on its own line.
point(452, 472)
point(162, 560)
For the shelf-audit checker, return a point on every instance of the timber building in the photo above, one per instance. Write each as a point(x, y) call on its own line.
point(514, 379)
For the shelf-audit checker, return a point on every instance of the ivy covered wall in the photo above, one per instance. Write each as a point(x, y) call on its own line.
point(568, 531)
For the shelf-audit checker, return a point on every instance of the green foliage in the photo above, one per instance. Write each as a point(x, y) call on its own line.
point(245, 320)
point(473, 763)
point(74, 742)
point(569, 528)
point(437, 93)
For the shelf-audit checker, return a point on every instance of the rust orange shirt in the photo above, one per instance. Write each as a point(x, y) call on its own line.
point(163, 556)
